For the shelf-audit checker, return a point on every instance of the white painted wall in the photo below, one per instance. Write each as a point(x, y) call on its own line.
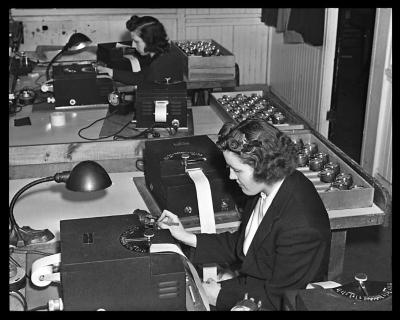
point(295, 76)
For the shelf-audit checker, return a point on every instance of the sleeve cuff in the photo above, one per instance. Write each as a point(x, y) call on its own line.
point(231, 293)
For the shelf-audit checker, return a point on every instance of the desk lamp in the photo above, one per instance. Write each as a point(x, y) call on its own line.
point(76, 42)
point(86, 176)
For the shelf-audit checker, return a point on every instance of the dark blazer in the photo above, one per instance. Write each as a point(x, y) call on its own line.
point(289, 250)
point(165, 65)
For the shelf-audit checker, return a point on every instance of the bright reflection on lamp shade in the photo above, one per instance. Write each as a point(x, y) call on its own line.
point(88, 176)
point(77, 41)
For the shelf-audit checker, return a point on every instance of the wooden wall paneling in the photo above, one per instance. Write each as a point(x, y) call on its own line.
point(241, 47)
point(192, 33)
point(203, 11)
point(295, 76)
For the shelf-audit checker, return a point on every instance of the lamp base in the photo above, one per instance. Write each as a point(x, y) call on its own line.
point(29, 236)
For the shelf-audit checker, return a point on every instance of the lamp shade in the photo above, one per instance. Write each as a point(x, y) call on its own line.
point(88, 176)
point(77, 41)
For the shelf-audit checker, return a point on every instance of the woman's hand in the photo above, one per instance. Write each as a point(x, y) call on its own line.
point(102, 69)
point(170, 221)
point(212, 289)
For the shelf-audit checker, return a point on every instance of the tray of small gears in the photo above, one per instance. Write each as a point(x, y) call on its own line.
point(339, 186)
point(238, 106)
point(205, 60)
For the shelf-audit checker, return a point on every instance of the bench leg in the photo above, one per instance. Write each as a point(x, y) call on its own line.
point(336, 259)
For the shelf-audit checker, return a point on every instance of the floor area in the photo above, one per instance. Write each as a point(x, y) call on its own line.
point(369, 250)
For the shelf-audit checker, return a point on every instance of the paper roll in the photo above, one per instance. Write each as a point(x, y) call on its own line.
point(206, 213)
point(160, 111)
point(42, 270)
point(57, 119)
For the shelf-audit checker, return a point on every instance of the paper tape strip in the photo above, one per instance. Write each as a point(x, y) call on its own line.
point(169, 247)
point(134, 62)
point(160, 111)
point(206, 213)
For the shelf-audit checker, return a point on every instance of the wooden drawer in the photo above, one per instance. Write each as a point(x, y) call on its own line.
point(213, 68)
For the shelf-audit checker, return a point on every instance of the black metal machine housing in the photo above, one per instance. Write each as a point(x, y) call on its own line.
point(101, 269)
point(171, 186)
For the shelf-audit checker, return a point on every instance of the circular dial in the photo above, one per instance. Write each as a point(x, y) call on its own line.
point(377, 290)
point(187, 154)
point(135, 239)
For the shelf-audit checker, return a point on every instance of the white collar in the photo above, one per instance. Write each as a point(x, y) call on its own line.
point(274, 190)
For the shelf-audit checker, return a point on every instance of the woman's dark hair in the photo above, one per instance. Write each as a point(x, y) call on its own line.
point(271, 153)
point(151, 31)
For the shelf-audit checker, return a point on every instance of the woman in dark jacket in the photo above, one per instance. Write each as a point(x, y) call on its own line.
point(284, 238)
point(157, 58)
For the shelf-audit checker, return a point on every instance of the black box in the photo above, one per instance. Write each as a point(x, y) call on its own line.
point(113, 56)
point(171, 186)
point(78, 84)
point(99, 272)
point(150, 94)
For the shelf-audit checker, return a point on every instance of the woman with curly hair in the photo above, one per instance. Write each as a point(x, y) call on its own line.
point(284, 238)
point(157, 58)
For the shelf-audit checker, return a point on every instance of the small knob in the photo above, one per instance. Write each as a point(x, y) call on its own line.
point(361, 277)
point(188, 210)
point(149, 233)
point(167, 80)
point(185, 158)
point(175, 123)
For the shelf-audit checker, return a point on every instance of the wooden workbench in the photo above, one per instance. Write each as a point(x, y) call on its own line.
point(36, 152)
point(47, 204)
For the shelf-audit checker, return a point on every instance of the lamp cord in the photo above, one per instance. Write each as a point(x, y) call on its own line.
point(51, 62)
point(14, 224)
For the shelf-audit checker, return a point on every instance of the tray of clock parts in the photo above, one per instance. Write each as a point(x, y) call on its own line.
point(240, 105)
point(205, 60)
point(360, 193)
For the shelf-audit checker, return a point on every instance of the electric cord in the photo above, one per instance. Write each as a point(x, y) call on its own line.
point(45, 82)
point(104, 137)
point(20, 298)
point(22, 251)
point(14, 109)
point(142, 133)
point(16, 106)
point(43, 307)
point(14, 261)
